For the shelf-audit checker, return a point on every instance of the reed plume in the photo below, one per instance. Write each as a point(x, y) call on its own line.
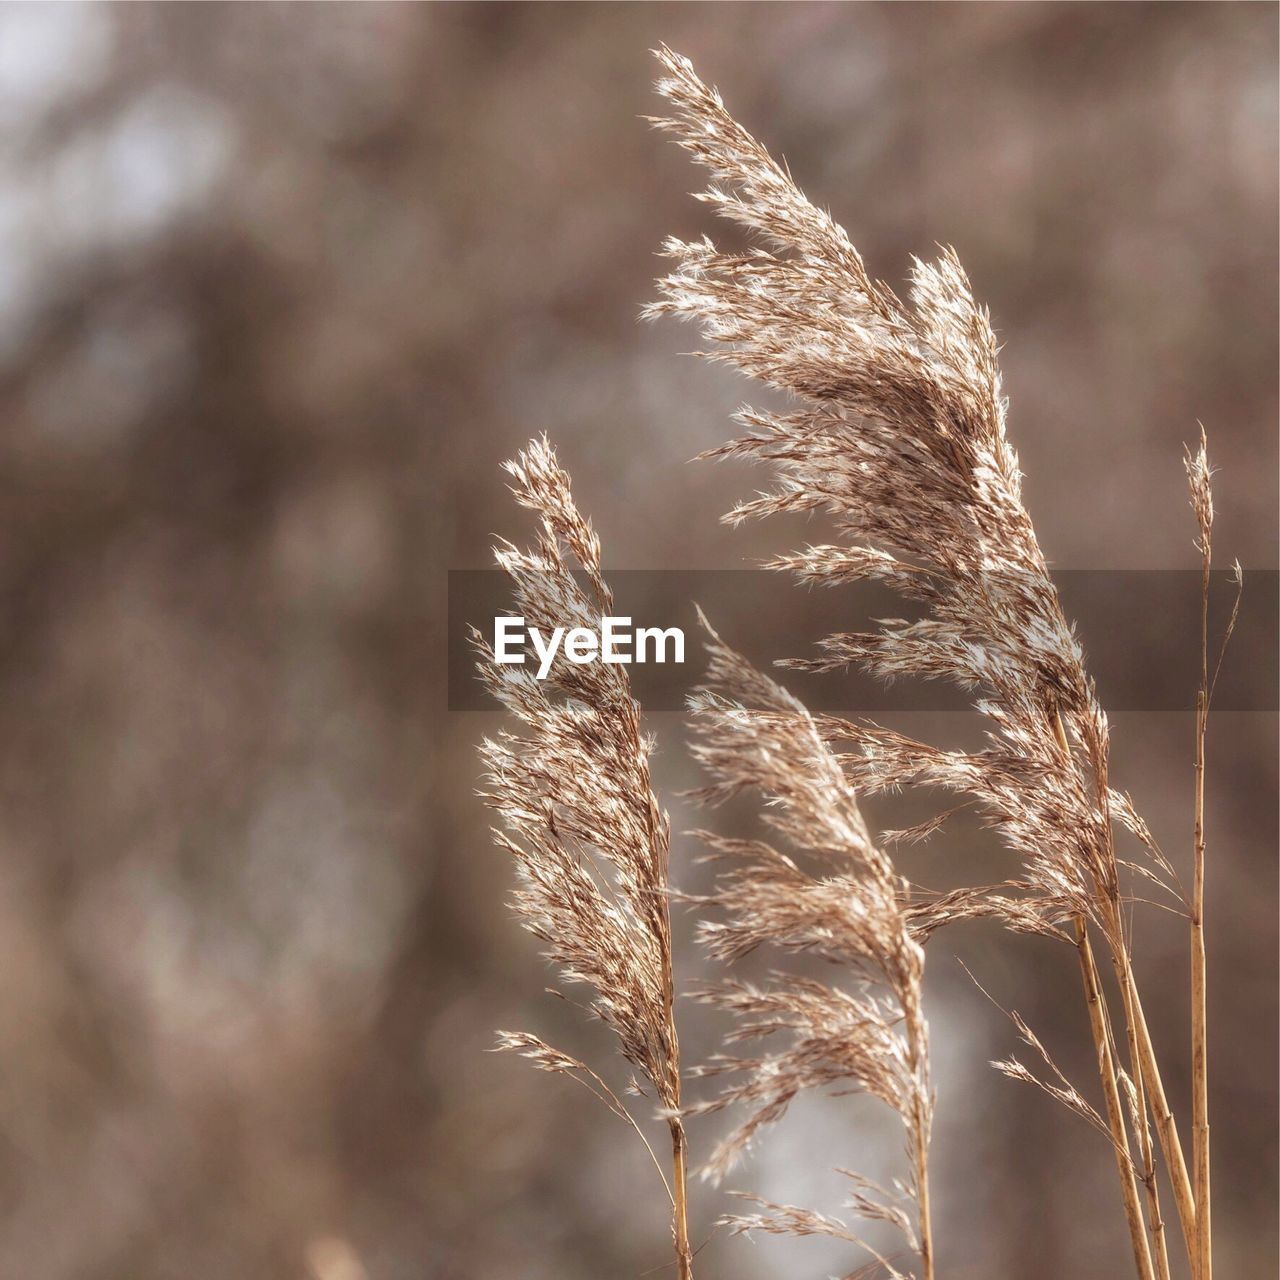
point(581, 819)
point(898, 435)
point(750, 734)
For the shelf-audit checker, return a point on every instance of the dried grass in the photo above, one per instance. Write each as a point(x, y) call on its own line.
point(581, 819)
point(751, 735)
point(898, 437)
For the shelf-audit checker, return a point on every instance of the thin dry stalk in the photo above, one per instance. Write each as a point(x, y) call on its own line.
point(898, 434)
point(1140, 1117)
point(1103, 1042)
point(1111, 1095)
point(1199, 1011)
point(1202, 503)
point(1166, 1125)
point(1199, 477)
point(751, 735)
point(581, 818)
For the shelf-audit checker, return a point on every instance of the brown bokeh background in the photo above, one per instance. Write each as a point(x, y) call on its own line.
point(280, 288)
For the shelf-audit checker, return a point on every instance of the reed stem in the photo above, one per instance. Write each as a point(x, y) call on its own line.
point(918, 1050)
point(1166, 1125)
point(1111, 1095)
point(1155, 1219)
point(660, 844)
point(679, 1213)
point(1203, 1261)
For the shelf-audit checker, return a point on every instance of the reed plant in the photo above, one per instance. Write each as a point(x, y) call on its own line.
point(851, 910)
point(590, 839)
point(895, 432)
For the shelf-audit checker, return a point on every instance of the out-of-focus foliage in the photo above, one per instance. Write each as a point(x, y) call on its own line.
point(280, 286)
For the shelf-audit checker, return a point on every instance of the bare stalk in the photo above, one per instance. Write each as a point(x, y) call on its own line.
point(1111, 1095)
point(1202, 503)
point(918, 1051)
point(1155, 1219)
point(1166, 1125)
point(679, 1215)
point(679, 1145)
point(1199, 1028)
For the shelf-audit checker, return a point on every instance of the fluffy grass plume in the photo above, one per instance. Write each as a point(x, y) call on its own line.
point(751, 735)
point(581, 819)
point(897, 434)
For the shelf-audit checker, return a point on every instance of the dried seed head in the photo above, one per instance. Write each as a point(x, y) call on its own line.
point(573, 790)
point(898, 435)
point(1199, 477)
point(751, 735)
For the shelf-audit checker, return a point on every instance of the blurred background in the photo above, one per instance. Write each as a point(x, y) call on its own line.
point(280, 287)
